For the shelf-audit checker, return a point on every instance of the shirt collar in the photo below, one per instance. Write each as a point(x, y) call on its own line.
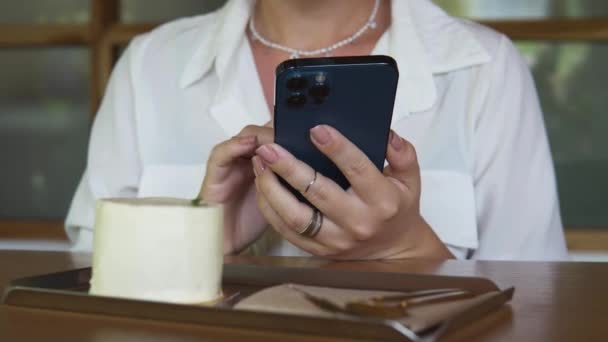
point(218, 41)
point(424, 41)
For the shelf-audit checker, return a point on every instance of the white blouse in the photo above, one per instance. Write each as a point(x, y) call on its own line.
point(465, 99)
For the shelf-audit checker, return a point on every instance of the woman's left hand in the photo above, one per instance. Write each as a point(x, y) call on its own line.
point(377, 218)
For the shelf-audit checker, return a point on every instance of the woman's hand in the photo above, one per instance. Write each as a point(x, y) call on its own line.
point(229, 181)
point(377, 218)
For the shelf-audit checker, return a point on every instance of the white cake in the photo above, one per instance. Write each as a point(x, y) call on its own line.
point(158, 249)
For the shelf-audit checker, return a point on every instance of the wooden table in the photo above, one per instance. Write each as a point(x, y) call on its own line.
point(553, 302)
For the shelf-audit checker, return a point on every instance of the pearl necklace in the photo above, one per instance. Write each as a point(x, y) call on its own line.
point(296, 53)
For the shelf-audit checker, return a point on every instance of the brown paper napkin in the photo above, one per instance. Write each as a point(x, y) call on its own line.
point(286, 299)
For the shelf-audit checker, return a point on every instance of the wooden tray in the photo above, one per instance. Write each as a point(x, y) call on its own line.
point(67, 291)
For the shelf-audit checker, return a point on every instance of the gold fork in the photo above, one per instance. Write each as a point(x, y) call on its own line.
point(391, 306)
point(395, 306)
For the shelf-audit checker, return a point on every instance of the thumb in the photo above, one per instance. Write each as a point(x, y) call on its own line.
point(402, 162)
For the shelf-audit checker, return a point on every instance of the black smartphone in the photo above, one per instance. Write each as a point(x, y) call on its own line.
point(354, 95)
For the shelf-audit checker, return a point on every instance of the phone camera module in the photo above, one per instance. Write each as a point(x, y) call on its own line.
point(320, 77)
point(319, 91)
point(296, 99)
point(296, 83)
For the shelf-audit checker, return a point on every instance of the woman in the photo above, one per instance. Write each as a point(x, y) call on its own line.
point(189, 103)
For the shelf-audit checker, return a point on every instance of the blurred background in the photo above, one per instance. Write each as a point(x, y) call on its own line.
point(56, 55)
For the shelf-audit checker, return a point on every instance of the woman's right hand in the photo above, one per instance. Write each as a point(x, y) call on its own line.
point(229, 181)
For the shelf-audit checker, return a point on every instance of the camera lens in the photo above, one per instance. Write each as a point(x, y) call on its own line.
point(296, 83)
point(297, 99)
point(319, 91)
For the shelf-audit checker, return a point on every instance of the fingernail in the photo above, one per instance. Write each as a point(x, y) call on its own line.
point(396, 141)
point(267, 154)
point(320, 134)
point(258, 166)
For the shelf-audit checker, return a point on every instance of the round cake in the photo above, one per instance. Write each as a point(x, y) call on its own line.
point(158, 249)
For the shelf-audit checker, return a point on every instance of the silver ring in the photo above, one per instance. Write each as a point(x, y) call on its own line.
point(311, 223)
point(314, 226)
point(317, 227)
point(314, 179)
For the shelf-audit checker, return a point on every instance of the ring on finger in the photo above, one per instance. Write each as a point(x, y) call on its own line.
point(317, 227)
point(314, 179)
point(311, 223)
point(314, 226)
